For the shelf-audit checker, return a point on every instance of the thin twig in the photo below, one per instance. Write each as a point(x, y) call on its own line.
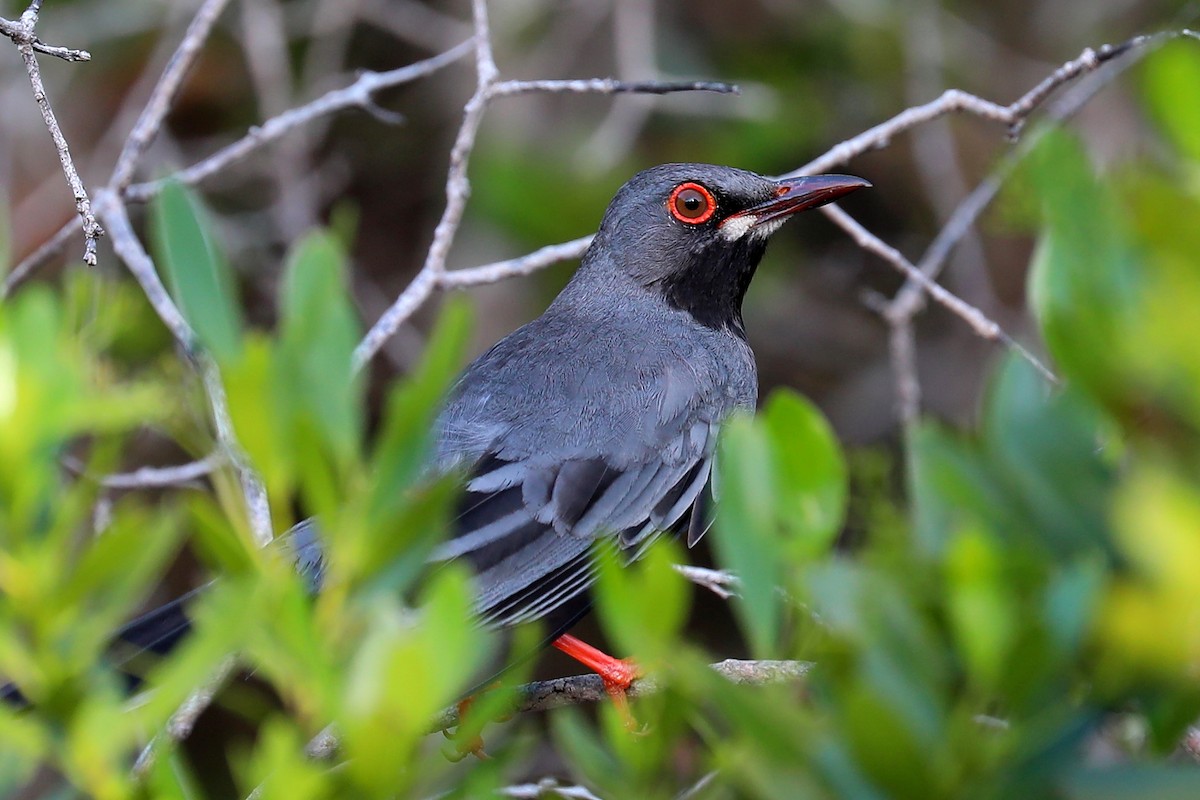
point(722, 583)
point(610, 86)
point(524, 265)
point(458, 187)
point(956, 100)
point(979, 322)
point(163, 95)
point(152, 477)
point(254, 491)
point(433, 274)
point(547, 787)
point(181, 723)
point(130, 250)
point(83, 204)
point(579, 689)
point(20, 35)
point(45, 250)
point(358, 94)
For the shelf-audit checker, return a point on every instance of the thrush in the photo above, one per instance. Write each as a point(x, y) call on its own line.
point(600, 418)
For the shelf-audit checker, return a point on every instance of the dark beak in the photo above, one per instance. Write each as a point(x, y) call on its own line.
point(800, 194)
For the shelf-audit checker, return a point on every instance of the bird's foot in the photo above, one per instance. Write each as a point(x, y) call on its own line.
point(469, 745)
point(618, 674)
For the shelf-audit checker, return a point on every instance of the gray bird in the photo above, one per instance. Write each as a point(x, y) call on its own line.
point(600, 417)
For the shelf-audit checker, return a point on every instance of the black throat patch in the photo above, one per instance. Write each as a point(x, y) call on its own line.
point(713, 280)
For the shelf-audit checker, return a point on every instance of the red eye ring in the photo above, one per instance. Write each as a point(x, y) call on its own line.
point(691, 203)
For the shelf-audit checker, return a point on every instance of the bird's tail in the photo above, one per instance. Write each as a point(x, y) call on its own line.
point(157, 631)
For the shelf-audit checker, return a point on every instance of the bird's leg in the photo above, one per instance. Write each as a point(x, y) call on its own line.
point(618, 674)
point(473, 746)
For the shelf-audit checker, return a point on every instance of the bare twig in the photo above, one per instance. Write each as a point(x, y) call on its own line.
point(580, 689)
point(17, 32)
point(547, 787)
point(951, 101)
point(433, 274)
point(610, 86)
point(979, 322)
point(181, 723)
point(359, 94)
point(23, 35)
point(51, 246)
point(130, 250)
point(255, 493)
point(457, 189)
point(152, 477)
point(524, 265)
point(722, 583)
point(151, 119)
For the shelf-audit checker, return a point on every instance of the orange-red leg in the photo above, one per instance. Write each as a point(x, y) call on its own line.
point(618, 674)
point(471, 747)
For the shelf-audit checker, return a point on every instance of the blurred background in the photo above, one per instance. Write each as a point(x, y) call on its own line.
point(812, 73)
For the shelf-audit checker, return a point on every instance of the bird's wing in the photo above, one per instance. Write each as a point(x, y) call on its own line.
point(526, 525)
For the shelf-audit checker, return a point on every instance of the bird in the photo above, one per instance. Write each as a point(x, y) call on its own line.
point(598, 419)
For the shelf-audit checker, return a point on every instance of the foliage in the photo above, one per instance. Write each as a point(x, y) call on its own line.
point(1038, 598)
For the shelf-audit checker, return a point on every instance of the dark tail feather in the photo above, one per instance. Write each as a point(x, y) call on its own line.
point(157, 631)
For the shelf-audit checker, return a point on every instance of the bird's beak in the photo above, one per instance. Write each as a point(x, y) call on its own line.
point(792, 195)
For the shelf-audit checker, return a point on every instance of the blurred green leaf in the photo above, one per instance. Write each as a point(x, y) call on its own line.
point(197, 272)
point(318, 331)
point(624, 592)
point(1084, 285)
point(1171, 82)
point(1133, 782)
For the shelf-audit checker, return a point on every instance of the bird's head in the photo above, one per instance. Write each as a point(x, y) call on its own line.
point(696, 232)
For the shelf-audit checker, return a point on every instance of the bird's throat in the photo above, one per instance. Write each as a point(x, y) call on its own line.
point(713, 284)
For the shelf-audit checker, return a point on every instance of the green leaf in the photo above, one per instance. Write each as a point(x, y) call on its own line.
point(1083, 285)
point(403, 446)
point(1133, 782)
point(319, 329)
point(197, 272)
point(746, 538)
point(625, 591)
point(810, 471)
point(782, 483)
point(1171, 80)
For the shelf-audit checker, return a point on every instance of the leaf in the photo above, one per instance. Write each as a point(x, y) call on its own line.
point(1083, 284)
point(1171, 81)
point(810, 471)
point(319, 329)
point(746, 538)
point(197, 272)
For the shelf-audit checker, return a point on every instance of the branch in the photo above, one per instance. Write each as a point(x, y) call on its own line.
point(17, 32)
point(1013, 115)
point(23, 35)
point(433, 274)
point(357, 95)
point(580, 689)
point(610, 86)
point(181, 723)
point(457, 189)
point(723, 583)
point(163, 95)
point(152, 477)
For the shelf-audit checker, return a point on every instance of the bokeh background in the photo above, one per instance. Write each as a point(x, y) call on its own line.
point(811, 75)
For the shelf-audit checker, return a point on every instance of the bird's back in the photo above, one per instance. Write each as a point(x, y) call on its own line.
point(597, 418)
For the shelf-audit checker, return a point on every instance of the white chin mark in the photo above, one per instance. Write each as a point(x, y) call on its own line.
point(737, 227)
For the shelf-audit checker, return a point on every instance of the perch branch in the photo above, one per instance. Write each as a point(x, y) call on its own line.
point(581, 689)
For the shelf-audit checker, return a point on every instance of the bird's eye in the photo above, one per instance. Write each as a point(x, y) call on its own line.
point(691, 203)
